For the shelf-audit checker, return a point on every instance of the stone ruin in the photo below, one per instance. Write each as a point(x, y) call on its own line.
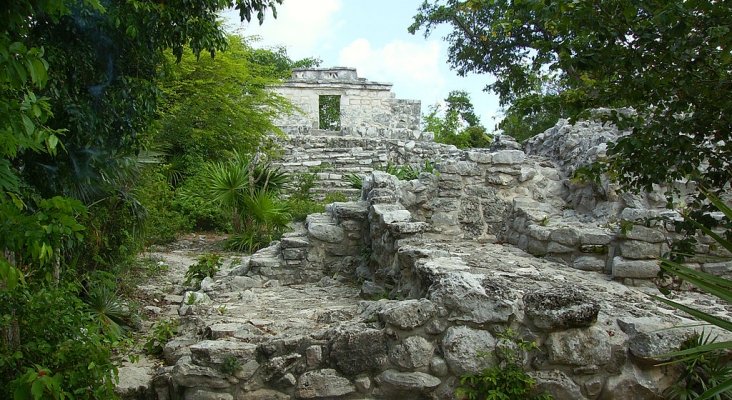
point(336, 100)
point(396, 294)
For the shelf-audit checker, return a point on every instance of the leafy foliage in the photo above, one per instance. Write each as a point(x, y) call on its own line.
point(278, 62)
point(409, 172)
point(459, 126)
point(329, 112)
point(211, 106)
point(69, 347)
point(702, 370)
point(669, 61)
point(507, 381)
point(354, 180)
point(207, 266)
point(160, 333)
point(78, 87)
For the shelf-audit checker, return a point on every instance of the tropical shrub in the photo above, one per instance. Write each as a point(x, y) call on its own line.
point(700, 353)
point(701, 372)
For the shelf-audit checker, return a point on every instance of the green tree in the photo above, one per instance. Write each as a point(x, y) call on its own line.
point(211, 106)
point(279, 62)
point(670, 61)
point(457, 124)
point(77, 87)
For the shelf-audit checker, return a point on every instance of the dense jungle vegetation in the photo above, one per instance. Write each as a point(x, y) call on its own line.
point(125, 122)
point(120, 129)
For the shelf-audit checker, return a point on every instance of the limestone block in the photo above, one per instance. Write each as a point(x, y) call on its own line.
point(313, 356)
point(566, 236)
point(499, 179)
point(589, 263)
point(463, 348)
point(539, 232)
point(480, 157)
point(223, 330)
point(723, 269)
point(645, 234)
point(363, 384)
point(623, 268)
point(294, 242)
point(441, 218)
point(413, 352)
point(408, 314)
point(213, 353)
point(637, 249)
point(262, 394)
point(560, 308)
point(202, 394)
point(438, 366)
point(326, 232)
point(323, 384)
point(297, 253)
point(508, 157)
point(175, 349)
point(582, 346)
point(468, 168)
point(536, 247)
point(470, 298)
point(646, 342)
point(556, 248)
point(207, 284)
point(409, 382)
point(190, 375)
point(629, 386)
point(557, 384)
point(356, 351)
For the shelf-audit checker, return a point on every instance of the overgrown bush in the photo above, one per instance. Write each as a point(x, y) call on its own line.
point(163, 222)
point(70, 347)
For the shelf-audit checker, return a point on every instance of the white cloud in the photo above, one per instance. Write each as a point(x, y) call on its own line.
point(414, 68)
point(302, 26)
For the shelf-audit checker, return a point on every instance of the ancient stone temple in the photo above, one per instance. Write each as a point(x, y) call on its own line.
point(336, 101)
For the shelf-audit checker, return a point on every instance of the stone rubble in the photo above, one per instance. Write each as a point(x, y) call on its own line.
point(398, 294)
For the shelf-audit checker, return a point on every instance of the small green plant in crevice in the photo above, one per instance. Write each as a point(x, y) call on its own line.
point(230, 365)
point(408, 172)
point(191, 299)
point(544, 221)
point(505, 381)
point(160, 334)
point(334, 197)
point(700, 371)
point(207, 266)
point(354, 180)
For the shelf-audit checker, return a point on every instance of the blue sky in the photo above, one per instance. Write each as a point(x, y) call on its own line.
point(371, 35)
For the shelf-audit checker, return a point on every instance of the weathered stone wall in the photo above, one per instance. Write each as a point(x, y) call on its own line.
point(597, 339)
point(367, 109)
point(459, 250)
point(334, 156)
